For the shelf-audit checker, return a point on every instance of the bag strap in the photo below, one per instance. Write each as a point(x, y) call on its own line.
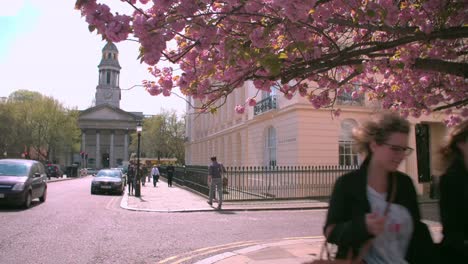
point(365, 248)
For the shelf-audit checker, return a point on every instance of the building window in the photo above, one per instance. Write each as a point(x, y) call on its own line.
point(347, 151)
point(348, 157)
point(346, 98)
point(108, 77)
point(271, 147)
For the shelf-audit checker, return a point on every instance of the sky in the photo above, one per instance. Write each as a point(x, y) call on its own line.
point(45, 46)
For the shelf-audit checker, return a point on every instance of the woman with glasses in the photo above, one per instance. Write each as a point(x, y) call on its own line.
point(454, 196)
point(358, 216)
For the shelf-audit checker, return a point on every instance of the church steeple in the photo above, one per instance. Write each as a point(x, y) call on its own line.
point(108, 90)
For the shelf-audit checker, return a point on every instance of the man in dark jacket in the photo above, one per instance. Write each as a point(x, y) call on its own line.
point(215, 171)
point(131, 178)
point(170, 174)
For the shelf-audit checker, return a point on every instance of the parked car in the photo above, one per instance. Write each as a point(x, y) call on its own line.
point(108, 181)
point(124, 176)
point(53, 170)
point(22, 181)
point(91, 171)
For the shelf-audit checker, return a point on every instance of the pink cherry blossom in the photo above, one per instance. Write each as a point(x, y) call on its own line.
point(251, 101)
point(410, 56)
point(239, 109)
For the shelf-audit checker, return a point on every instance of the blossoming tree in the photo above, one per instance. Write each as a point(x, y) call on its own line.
point(411, 55)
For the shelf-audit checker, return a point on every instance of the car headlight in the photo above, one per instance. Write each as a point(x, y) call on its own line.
point(117, 183)
point(18, 186)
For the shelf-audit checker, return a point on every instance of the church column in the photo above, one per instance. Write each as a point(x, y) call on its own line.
point(111, 151)
point(98, 150)
point(126, 146)
point(83, 140)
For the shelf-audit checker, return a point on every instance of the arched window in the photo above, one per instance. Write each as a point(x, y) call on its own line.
point(271, 147)
point(347, 153)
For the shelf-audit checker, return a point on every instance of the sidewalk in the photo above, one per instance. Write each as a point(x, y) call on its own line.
point(178, 199)
point(164, 199)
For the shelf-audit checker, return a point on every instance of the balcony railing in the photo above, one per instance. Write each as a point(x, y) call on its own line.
point(265, 105)
point(347, 99)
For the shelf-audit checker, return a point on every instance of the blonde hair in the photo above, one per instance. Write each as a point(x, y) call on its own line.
point(449, 150)
point(378, 129)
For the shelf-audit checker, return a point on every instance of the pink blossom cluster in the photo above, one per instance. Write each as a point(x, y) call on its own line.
point(164, 84)
point(114, 27)
point(409, 55)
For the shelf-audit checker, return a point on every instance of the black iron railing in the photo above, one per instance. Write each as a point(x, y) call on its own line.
point(265, 183)
point(265, 105)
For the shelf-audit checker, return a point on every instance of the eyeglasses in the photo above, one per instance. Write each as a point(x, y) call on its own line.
point(399, 149)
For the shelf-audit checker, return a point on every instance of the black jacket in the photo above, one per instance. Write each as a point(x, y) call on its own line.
point(349, 205)
point(453, 212)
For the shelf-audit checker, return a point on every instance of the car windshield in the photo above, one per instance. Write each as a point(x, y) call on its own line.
point(108, 173)
point(13, 169)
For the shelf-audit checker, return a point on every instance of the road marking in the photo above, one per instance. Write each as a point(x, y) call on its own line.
point(178, 259)
point(212, 251)
point(168, 259)
point(207, 250)
point(111, 204)
point(307, 237)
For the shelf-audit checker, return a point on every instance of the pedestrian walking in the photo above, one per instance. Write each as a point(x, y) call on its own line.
point(149, 173)
point(170, 174)
point(155, 174)
point(215, 172)
point(144, 173)
point(363, 218)
point(454, 196)
point(131, 178)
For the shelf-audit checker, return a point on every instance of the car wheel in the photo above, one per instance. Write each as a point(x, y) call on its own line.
point(27, 200)
point(44, 196)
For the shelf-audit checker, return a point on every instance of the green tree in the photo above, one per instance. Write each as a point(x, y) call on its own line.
point(162, 137)
point(43, 125)
point(7, 131)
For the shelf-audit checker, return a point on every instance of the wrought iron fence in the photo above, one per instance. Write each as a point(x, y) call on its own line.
point(265, 105)
point(265, 183)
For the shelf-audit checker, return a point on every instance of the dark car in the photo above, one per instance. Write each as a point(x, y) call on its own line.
point(108, 181)
point(91, 171)
point(124, 176)
point(21, 181)
point(53, 170)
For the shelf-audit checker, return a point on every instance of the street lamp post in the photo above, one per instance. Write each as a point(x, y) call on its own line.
point(139, 128)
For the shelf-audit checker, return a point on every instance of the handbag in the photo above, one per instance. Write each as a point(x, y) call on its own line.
point(350, 259)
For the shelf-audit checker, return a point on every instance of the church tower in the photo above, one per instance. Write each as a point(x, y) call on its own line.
point(108, 90)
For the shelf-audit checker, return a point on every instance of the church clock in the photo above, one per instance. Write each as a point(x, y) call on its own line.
point(108, 95)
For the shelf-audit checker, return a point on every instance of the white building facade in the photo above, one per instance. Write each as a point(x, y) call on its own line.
point(282, 132)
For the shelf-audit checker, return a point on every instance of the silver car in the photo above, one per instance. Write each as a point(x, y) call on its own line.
point(108, 181)
point(21, 181)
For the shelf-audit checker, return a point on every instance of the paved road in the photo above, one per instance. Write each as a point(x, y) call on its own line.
point(73, 226)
